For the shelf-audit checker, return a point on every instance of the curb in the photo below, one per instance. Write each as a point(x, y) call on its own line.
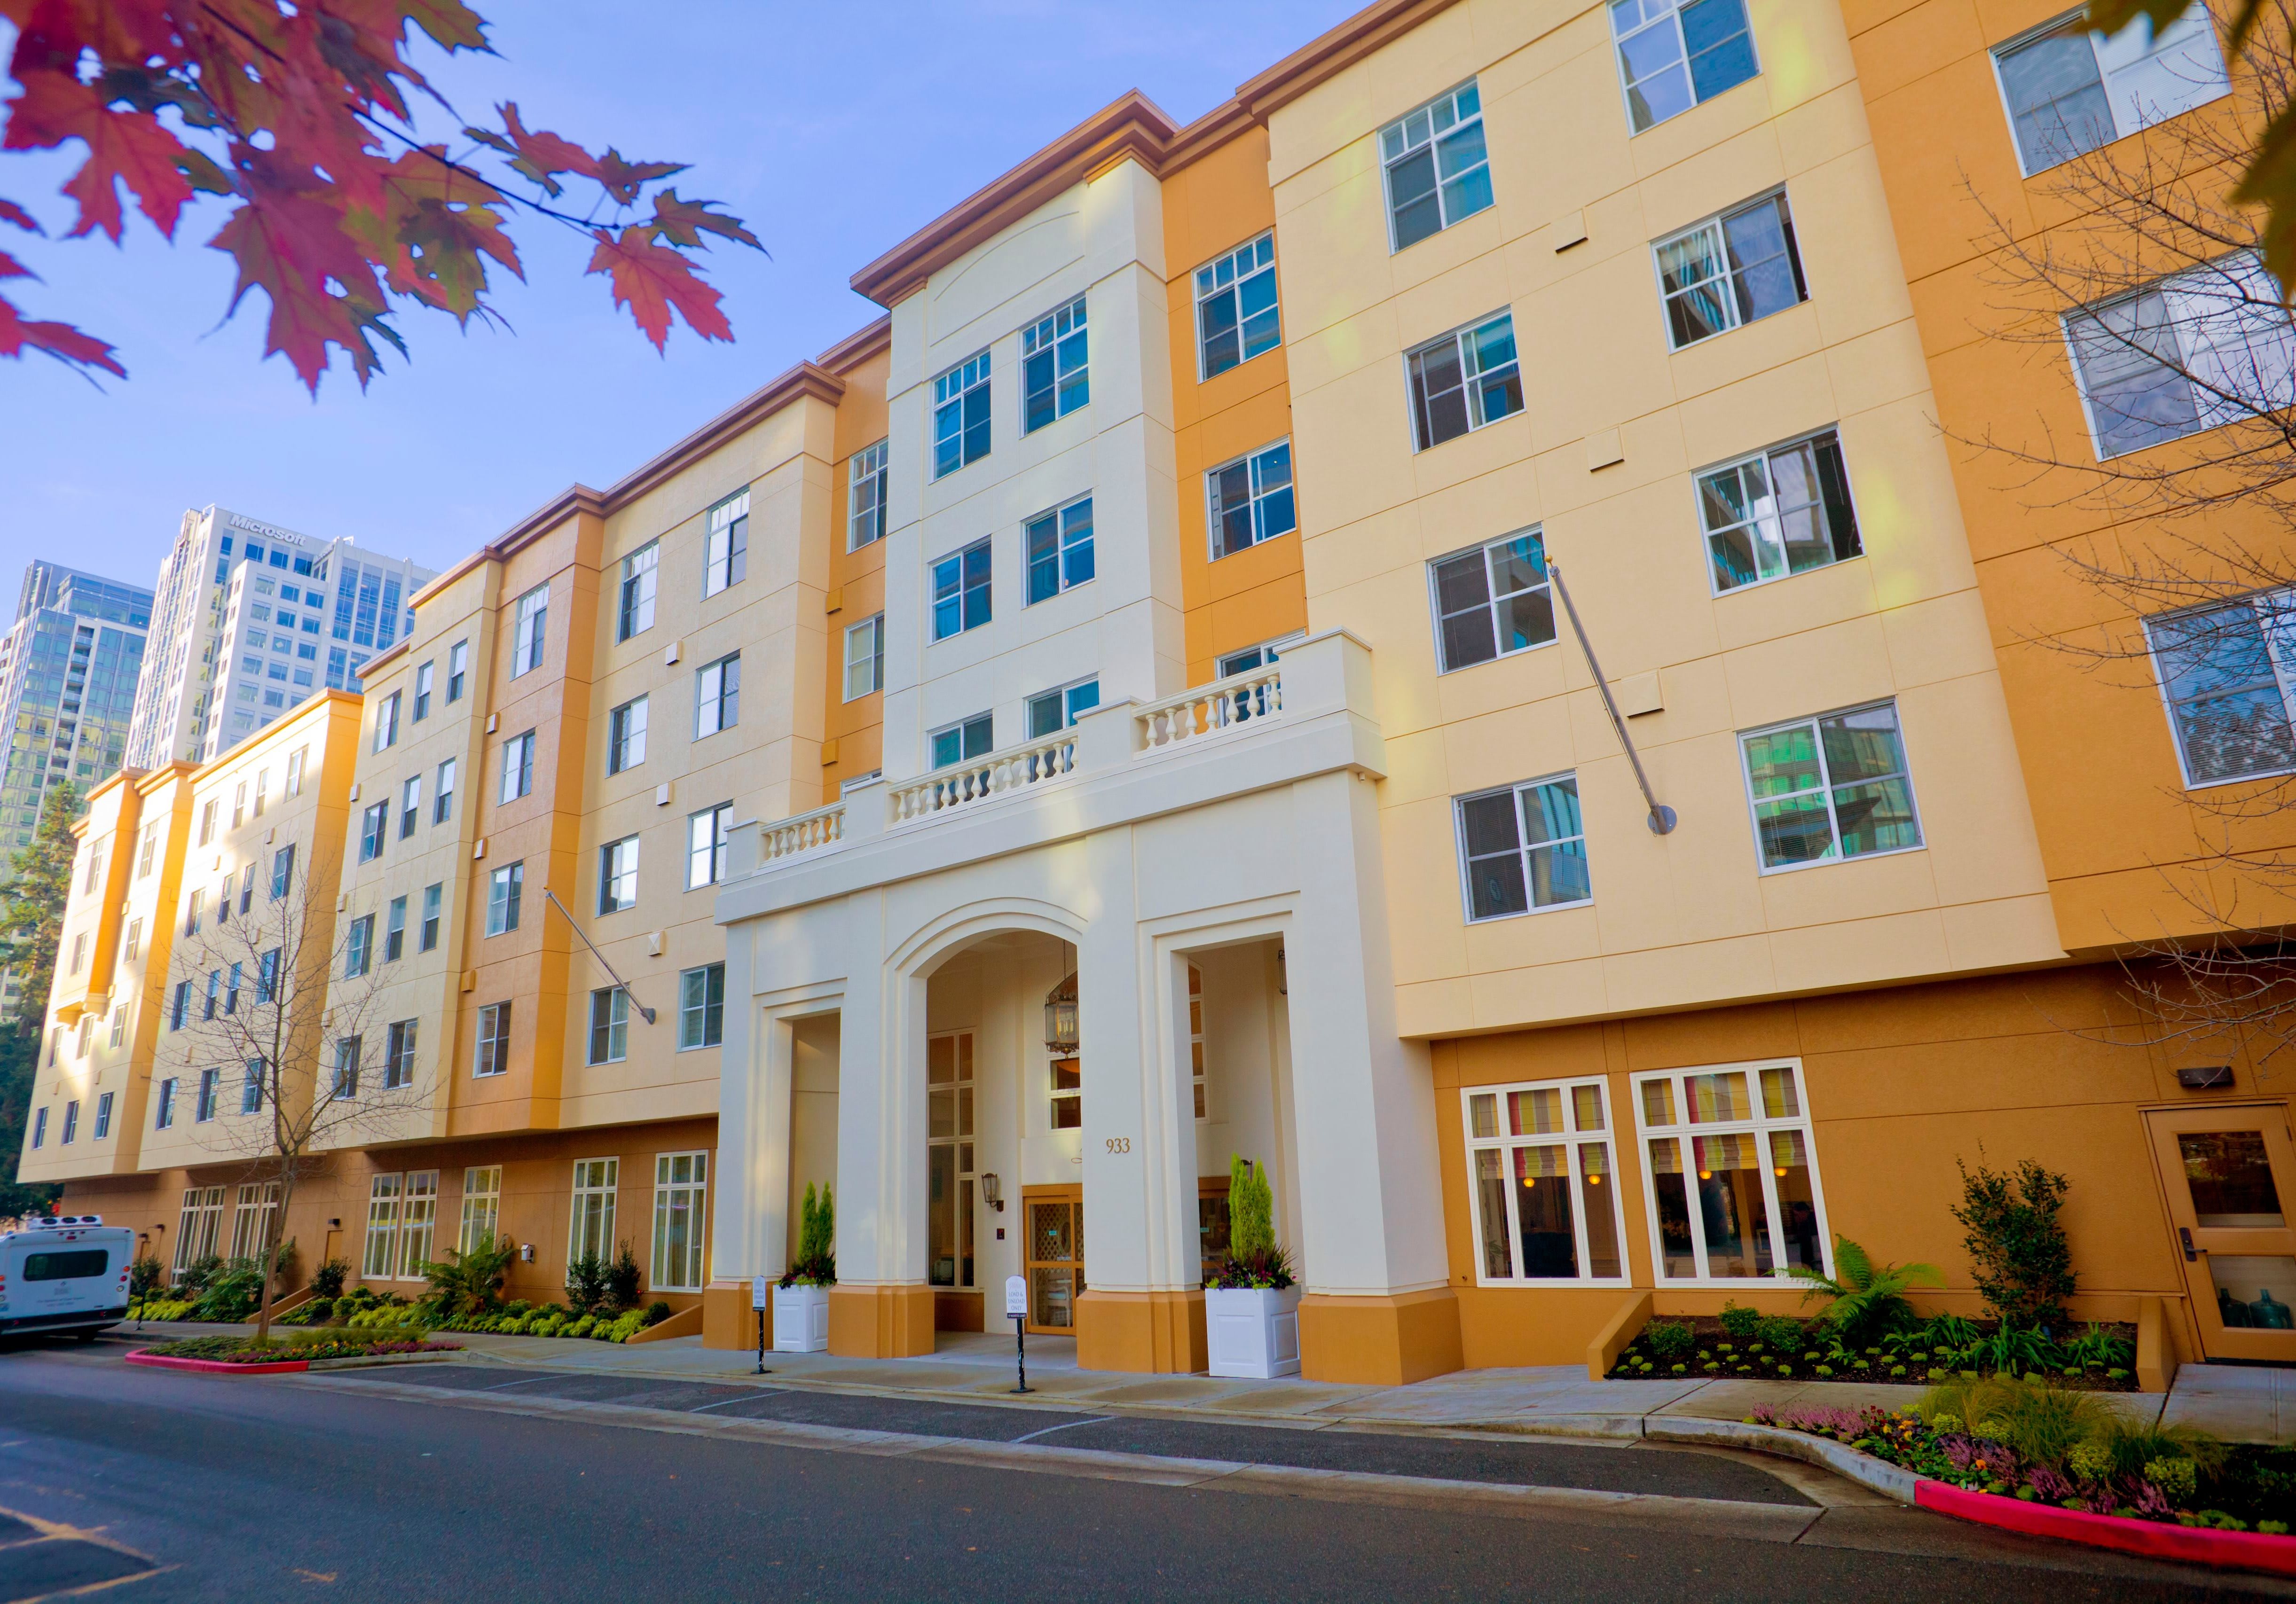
point(217, 1366)
point(2156, 1540)
point(1892, 1481)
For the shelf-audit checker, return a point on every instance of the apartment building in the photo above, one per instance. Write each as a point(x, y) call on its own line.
point(1136, 703)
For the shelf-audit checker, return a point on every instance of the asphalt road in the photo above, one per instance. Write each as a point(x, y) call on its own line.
point(531, 1485)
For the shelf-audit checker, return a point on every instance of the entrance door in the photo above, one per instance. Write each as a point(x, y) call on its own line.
point(1056, 1256)
point(2230, 1175)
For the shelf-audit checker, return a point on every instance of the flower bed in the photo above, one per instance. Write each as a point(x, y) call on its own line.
point(242, 1350)
point(1744, 1346)
point(162, 1309)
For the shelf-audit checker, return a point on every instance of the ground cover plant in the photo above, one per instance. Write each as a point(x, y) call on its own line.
point(247, 1350)
point(1744, 1346)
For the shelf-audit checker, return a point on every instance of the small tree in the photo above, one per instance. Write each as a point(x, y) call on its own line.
point(2022, 1260)
point(1254, 1258)
point(31, 922)
point(816, 1241)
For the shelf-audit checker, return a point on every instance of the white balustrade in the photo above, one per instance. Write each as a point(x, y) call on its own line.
point(806, 832)
point(998, 773)
point(1213, 709)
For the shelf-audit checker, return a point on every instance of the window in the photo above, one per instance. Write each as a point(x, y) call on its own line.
point(636, 615)
point(374, 823)
point(2222, 674)
point(150, 844)
point(380, 1256)
point(481, 1206)
point(250, 1087)
point(262, 789)
point(247, 891)
point(133, 944)
point(617, 875)
point(431, 896)
point(1830, 788)
point(296, 763)
point(442, 804)
point(950, 1189)
point(282, 872)
point(1056, 375)
point(864, 497)
point(2068, 89)
point(528, 634)
point(394, 931)
point(230, 1004)
point(458, 663)
point(178, 1011)
point(717, 695)
point(1197, 1034)
point(610, 1025)
point(708, 845)
point(1672, 56)
point(207, 819)
point(267, 975)
point(1523, 848)
point(103, 1116)
point(1781, 511)
point(1438, 170)
point(1067, 1093)
point(626, 732)
point(418, 1218)
point(959, 741)
point(1056, 710)
point(1729, 271)
point(199, 1226)
point(1237, 317)
point(386, 735)
point(1060, 553)
point(1542, 1174)
point(504, 887)
point(79, 953)
point(701, 1007)
point(961, 415)
point(398, 1055)
point(1758, 1212)
point(119, 1024)
point(215, 994)
point(223, 901)
point(71, 1123)
point(960, 593)
point(494, 1041)
point(1252, 500)
point(517, 767)
point(251, 1214)
point(422, 678)
point(1464, 381)
point(595, 1183)
point(864, 657)
point(2197, 351)
point(1492, 601)
point(410, 806)
point(94, 866)
point(725, 548)
point(681, 1188)
point(165, 1116)
point(359, 948)
point(347, 1068)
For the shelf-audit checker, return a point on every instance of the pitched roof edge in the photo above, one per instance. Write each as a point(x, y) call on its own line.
point(1333, 53)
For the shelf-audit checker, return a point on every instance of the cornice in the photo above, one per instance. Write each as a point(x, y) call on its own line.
point(1333, 53)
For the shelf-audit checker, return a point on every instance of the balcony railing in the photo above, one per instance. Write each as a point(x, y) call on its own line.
point(807, 831)
point(1212, 710)
point(1049, 758)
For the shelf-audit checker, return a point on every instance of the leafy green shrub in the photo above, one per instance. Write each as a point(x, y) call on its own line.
point(2131, 1448)
point(1668, 1339)
point(1781, 1334)
point(328, 1279)
point(582, 1326)
point(162, 1308)
point(2099, 1347)
point(465, 1283)
point(625, 1326)
point(193, 1279)
point(816, 1265)
point(2013, 1352)
point(1868, 1299)
point(623, 1280)
point(233, 1292)
point(586, 1282)
point(143, 1278)
point(2022, 1261)
point(657, 1312)
point(1740, 1322)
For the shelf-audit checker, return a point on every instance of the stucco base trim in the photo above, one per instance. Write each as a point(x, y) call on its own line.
point(881, 1322)
point(1387, 1341)
point(727, 1321)
point(1152, 1333)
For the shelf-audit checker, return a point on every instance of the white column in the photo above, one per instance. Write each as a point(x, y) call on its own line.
point(881, 1112)
point(743, 1190)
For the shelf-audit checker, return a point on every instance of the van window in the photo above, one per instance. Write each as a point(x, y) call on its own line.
point(64, 1267)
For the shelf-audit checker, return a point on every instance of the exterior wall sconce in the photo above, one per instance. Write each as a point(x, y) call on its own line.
point(992, 1191)
point(2208, 1077)
point(1061, 1020)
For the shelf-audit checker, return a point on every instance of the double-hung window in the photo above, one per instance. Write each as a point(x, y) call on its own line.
point(398, 1055)
point(358, 947)
point(282, 872)
point(681, 1191)
point(1463, 379)
point(1055, 375)
point(394, 931)
point(251, 1087)
point(423, 677)
point(2208, 346)
point(71, 1121)
point(701, 1007)
point(640, 571)
point(626, 734)
point(595, 1183)
point(517, 767)
point(386, 735)
point(2227, 673)
point(1237, 317)
point(708, 845)
point(717, 695)
point(504, 888)
point(1523, 846)
point(961, 415)
point(865, 496)
point(1673, 55)
point(103, 1116)
point(163, 1115)
point(1730, 270)
point(204, 1109)
point(1830, 788)
point(1492, 601)
point(967, 739)
point(458, 664)
point(379, 1261)
point(1544, 1176)
point(529, 631)
point(726, 549)
point(1784, 511)
point(374, 824)
point(2068, 89)
point(1056, 710)
point(1438, 170)
point(1738, 1134)
point(1251, 500)
point(610, 1025)
point(1059, 544)
point(1256, 657)
point(410, 806)
point(347, 1068)
point(442, 804)
point(960, 591)
point(864, 657)
point(266, 975)
point(432, 896)
point(481, 1206)
point(617, 875)
point(493, 1055)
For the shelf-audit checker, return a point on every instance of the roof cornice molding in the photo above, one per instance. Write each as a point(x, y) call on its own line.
point(1326, 57)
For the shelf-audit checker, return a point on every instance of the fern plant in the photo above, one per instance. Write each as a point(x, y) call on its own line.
point(1866, 1298)
point(469, 1283)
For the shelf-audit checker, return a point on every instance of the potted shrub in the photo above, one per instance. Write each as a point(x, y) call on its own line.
point(801, 1297)
point(1251, 1307)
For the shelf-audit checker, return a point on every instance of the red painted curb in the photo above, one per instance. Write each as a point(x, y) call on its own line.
point(219, 1366)
point(2157, 1540)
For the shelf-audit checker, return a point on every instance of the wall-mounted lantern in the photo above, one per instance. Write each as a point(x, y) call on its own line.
point(1061, 1020)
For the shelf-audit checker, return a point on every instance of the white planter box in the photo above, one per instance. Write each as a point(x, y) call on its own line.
point(1253, 1331)
point(800, 1320)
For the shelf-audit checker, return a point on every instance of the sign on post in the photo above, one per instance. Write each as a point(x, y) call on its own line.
point(1016, 1297)
point(760, 1292)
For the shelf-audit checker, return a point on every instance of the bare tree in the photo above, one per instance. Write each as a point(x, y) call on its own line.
point(282, 1007)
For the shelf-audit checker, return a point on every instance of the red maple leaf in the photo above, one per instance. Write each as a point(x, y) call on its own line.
point(625, 179)
point(126, 147)
point(684, 222)
point(60, 341)
point(437, 225)
point(290, 241)
point(537, 153)
point(10, 212)
point(651, 280)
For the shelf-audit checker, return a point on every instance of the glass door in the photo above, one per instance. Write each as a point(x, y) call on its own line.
point(2230, 1173)
point(949, 1156)
point(1055, 1251)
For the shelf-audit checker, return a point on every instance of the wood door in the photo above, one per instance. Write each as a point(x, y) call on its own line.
point(2229, 1174)
point(1053, 1216)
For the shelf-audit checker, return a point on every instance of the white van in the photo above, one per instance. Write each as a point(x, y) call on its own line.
point(69, 1273)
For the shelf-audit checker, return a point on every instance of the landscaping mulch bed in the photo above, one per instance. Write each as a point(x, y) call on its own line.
point(1717, 1355)
point(241, 1350)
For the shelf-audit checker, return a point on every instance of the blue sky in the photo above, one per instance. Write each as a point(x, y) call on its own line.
point(833, 130)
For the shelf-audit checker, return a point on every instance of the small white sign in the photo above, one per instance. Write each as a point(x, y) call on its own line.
point(1016, 1297)
point(760, 1292)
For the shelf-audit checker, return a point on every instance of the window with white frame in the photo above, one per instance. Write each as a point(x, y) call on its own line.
point(725, 548)
point(1257, 657)
point(960, 591)
point(374, 827)
point(252, 1085)
point(1463, 381)
point(610, 1025)
point(163, 1115)
point(1251, 500)
point(973, 737)
point(961, 415)
point(1830, 788)
point(410, 808)
point(1059, 547)
point(517, 767)
point(345, 1085)
point(1543, 1174)
point(1056, 373)
point(398, 1055)
point(708, 845)
point(204, 1109)
point(2068, 89)
point(493, 1054)
point(359, 948)
point(949, 1169)
point(40, 1126)
point(442, 803)
point(864, 657)
point(386, 735)
point(640, 571)
point(1055, 710)
point(1781, 511)
point(2200, 349)
point(596, 1181)
point(701, 1007)
point(617, 875)
point(433, 895)
point(1492, 601)
point(865, 479)
point(717, 695)
point(481, 1207)
point(2227, 675)
point(1739, 1134)
point(199, 1226)
point(1523, 846)
point(102, 1116)
point(1438, 168)
point(250, 1218)
point(626, 734)
point(425, 678)
point(394, 931)
point(681, 1191)
point(506, 888)
point(458, 664)
point(1732, 269)
point(1237, 317)
point(378, 1259)
point(529, 632)
point(1674, 53)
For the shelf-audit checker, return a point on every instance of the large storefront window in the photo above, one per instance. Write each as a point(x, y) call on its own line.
point(1544, 1178)
point(1728, 1165)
